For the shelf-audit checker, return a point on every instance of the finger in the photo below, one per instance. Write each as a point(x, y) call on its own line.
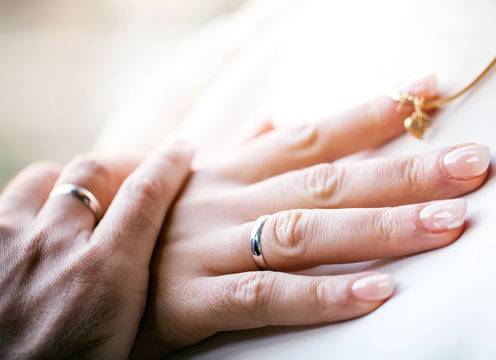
point(135, 217)
point(248, 135)
point(101, 175)
point(28, 191)
point(441, 174)
point(283, 150)
point(259, 299)
point(300, 239)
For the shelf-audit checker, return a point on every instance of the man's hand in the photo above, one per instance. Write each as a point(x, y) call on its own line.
point(72, 288)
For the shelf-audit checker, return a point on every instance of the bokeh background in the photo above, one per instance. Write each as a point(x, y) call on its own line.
point(79, 75)
point(65, 65)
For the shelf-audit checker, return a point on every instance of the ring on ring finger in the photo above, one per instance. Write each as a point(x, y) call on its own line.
point(256, 243)
point(82, 194)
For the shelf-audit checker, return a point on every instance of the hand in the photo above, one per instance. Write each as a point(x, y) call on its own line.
point(204, 278)
point(70, 289)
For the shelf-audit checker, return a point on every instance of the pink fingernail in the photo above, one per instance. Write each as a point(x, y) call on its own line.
point(429, 86)
point(444, 215)
point(426, 86)
point(373, 288)
point(468, 161)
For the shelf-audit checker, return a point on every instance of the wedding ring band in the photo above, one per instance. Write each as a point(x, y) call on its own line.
point(256, 243)
point(82, 194)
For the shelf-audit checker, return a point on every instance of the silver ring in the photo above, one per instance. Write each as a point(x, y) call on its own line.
point(256, 243)
point(82, 194)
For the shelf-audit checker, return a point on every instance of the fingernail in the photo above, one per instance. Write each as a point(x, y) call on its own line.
point(373, 288)
point(468, 161)
point(426, 86)
point(444, 215)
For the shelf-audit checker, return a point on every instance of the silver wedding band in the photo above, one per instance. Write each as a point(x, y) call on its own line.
point(256, 242)
point(83, 195)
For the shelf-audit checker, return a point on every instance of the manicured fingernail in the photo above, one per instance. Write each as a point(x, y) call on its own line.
point(468, 161)
point(373, 288)
point(427, 86)
point(443, 215)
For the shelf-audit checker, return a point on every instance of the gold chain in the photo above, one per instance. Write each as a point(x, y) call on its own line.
point(419, 121)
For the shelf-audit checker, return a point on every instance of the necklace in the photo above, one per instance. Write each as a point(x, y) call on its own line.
point(419, 121)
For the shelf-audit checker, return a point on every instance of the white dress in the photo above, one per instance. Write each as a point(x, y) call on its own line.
point(313, 58)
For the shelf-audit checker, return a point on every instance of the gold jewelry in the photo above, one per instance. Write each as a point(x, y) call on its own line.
point(419, 121)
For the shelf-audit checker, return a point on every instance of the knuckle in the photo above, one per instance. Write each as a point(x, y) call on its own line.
point(288, 230)
point(383, 225)
point(321, 183)
point(412, 174)
point(90, 167)
point(144, 189)
point(35, 243)
point(301, 137)
point(321, 294)
point(144, 195)
point(252, 292)
point(92, 260)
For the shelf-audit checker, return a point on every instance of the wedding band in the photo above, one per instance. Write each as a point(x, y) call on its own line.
point(256, 243)
point(82, 194)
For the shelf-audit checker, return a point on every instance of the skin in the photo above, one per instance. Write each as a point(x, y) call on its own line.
point(71, 288)
point(204, 279)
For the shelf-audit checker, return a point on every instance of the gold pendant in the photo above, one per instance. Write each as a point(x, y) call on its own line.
point(417, 124)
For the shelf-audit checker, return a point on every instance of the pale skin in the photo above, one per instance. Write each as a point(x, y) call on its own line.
point(74, 287)
point(204, 279)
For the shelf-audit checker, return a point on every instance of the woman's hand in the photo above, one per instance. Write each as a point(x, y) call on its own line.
point(204, 277)
point(70, 289)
